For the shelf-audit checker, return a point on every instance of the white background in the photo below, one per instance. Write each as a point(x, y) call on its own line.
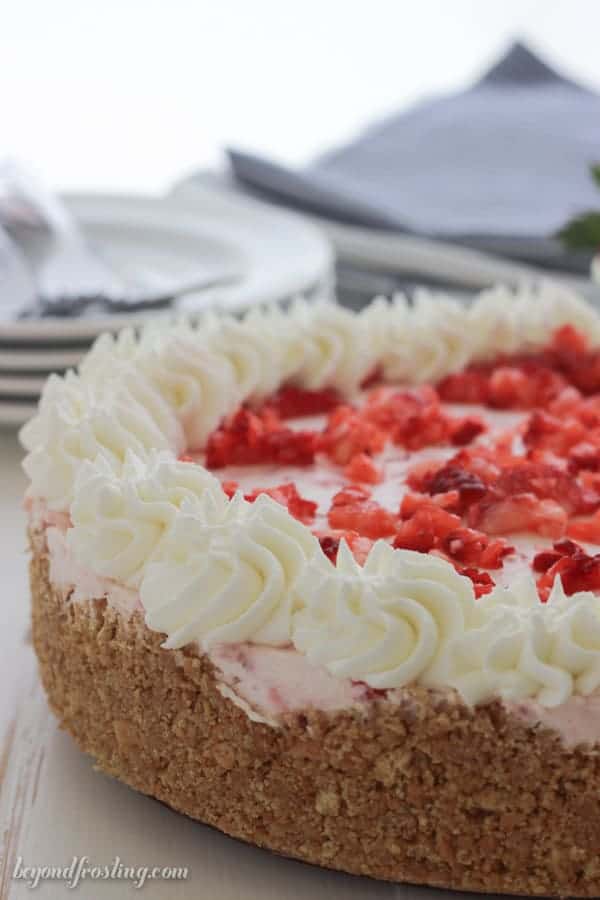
point(132, 94)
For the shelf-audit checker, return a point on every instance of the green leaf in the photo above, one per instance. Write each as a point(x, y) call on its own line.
point(583, 232)
point(595, 170)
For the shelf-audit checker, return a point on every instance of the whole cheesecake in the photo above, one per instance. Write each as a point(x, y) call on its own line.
point(330, 582)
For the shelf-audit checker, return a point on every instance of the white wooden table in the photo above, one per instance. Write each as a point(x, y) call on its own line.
point(54, 806)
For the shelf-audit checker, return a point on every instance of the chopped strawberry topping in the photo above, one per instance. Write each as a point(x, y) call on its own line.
point(474, 548)
point(510, 388)
point(421, 473)
point(372, 378)
point(542, 476)
point(568, 339)
point(353, 510)
point(587, 529)
point(362, 468)
point(578, 572)
point(415, 419)
point(470, 386)
point(514, 388)
point(545, 481)
point(252, 438)
point(422, 511)
point(545, 560)
point(551, 433)
point(584, 456)
point(287, 494)
point(229, 487)
point(469, 486)
point(483, 582)
point(330, 546)
point(348, 434)
point(463, 431)
point(526, 381)
point(426, 526)
point(357, 543)
point(582, 371)
point(350, 495)
point(290, 402)
point(369, 519)
point(519, 512)
point(567, 547)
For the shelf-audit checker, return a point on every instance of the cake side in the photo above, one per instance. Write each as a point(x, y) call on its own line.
point(425, 791)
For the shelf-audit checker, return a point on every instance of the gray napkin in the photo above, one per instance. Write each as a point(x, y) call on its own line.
point(500, 166)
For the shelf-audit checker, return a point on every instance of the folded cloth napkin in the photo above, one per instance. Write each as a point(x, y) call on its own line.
point(500, 166)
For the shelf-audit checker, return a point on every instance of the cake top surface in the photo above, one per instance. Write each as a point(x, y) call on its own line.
point(410, 493)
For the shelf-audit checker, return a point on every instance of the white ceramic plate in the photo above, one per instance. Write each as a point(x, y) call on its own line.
point(21, 385)
point(46, 360)
point(15, 413)
point(278, 252)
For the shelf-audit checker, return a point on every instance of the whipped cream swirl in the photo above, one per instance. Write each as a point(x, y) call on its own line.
point(77, 420)
point(423, 342)
point(231, 582)
point(519, 647)
point(386, 624)
point(337, 349)
point(121, 519)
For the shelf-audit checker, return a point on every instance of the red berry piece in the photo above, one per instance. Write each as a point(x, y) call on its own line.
point(579, 572)
point(352, 510)
point(229, 488)
point(470, 487)
point(293, 402)
point(521, 512)
point(250, 438)
point(470, 386)
point(330, 546)
point(545, 560)
point(586, 529)
point(482, 581)
point(463, 431)
point(362, 468)
point(349, 434)
point(287, 494)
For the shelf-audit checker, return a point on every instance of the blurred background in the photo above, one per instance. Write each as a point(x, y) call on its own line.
point(192, 154)
point(133, 94)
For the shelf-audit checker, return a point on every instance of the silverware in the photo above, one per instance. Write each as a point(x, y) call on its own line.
point(17, 287)
point(69, 274)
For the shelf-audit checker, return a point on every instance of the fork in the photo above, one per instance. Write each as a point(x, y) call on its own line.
point(68, 272)
point(17, 287)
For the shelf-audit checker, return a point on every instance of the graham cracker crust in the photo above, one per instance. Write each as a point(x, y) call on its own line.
point(429, 792)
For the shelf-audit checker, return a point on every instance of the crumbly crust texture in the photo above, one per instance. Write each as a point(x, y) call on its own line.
point(428, 791)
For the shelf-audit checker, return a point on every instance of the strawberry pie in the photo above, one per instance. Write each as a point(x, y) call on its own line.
point(330, 582)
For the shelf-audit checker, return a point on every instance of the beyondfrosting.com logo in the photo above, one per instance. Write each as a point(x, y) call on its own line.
point(81, 868)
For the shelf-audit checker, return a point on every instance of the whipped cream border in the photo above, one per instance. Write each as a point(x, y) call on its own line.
point(103, 448)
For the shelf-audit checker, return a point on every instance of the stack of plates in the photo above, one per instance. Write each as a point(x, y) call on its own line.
point(277, 253)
